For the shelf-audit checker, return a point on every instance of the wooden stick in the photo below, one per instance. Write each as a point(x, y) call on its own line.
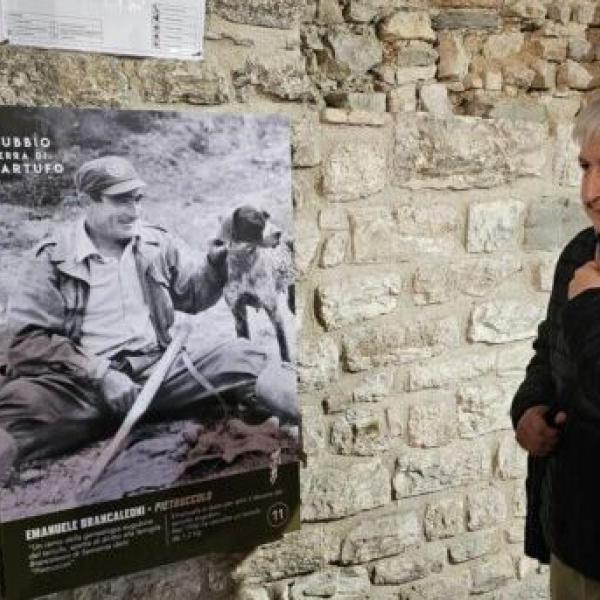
point(140, 405)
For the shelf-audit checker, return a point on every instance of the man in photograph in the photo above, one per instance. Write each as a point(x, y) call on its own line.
point(92, 315)
point(556, 410)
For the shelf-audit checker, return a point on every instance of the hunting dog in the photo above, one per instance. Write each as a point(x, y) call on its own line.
point(259, 270)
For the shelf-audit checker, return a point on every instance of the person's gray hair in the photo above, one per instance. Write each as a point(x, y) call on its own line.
point(587, 122)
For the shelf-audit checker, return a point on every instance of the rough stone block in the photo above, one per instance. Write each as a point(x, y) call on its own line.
point(503, 321)
point(341, 488)
point(494, 225)
point(416, 53)
point(335, 249)
point(372, 102)
point(467, 3)
point(306, 244)
point(473, 545)
point(545, 75)
point(447, 370)
point(526, 566)
point(557, 11)
point(298, 553)
point(434, 99)
point(354, 170)
point(432, 422)
point(583, 12)
point(402, 99)
point(355, 53)
point(515, 532)
point(512, 360)
point(463, 152)
point(519, 500)
point(493, 81)
point(279, 74)
point(379, 537)
point(444, 518)
point(352, 300)
point(412, 565)
point(396, 420)
point(549, 48)
point(544, 272)
point(426, 471)
point(373, 387)
point(304, 193)
point(381, 235)
point(317, 364)
point(283, 14)
point(253, 592)
point(408, 75)
point(334, 217)
point(565, 165)
point(510, 461)
point(581, 50)
point(306, 149)
point(533, 589)
point(385, 74)
point(438, 587)
point(407, 25)
point(361, 431)
point(467, 18)
point(577, 76)
point(502, 45)
point(398, 343)
point(532, 12)
point(329, 13)
point(440, 282)
point(363, 11)
point(517, 74)
point(552, 222)
point(314, 429)
point(454, 60)
point(169, 81)
point(332, 583)
point(485, 508)
point(492, 573)
point(482, 408)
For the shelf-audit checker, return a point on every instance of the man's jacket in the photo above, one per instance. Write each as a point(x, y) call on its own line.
point(563, 504)
point(48, 305)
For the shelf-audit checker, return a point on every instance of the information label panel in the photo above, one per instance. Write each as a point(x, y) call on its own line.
point(157, 28)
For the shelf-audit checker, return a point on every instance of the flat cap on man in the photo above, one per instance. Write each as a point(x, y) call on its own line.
point(110, 175)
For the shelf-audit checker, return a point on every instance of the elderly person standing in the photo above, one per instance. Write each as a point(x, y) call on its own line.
point(91, 316)
point(556, 411)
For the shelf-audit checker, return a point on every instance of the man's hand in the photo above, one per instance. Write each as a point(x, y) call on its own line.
point(119, 391)
point(534, 434)
point(585, 277)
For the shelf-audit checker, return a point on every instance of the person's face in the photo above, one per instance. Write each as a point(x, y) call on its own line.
point(114, 217)
point(589, 160)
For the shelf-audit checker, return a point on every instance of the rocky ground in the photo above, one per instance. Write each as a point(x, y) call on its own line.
point(158, 456)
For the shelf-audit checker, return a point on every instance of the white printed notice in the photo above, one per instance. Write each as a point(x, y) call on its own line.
point(158, 28)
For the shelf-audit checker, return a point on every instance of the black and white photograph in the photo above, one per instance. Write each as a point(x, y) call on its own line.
point(147, 330)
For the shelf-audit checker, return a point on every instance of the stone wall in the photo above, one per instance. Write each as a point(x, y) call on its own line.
point(434, 185)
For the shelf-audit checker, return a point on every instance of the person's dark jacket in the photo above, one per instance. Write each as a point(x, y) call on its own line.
point(563, 504)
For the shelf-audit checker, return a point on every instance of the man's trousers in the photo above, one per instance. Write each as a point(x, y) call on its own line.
point(52, 413)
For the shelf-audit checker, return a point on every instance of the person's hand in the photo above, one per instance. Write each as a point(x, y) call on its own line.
point(534, 434)
point(119, 391)
point(585, 277)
